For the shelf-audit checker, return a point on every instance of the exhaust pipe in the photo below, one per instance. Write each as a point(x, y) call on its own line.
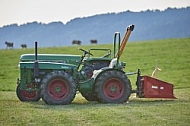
point(36, 65)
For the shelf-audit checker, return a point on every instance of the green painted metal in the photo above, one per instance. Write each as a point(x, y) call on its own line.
point(80, 67)
point(105, 69)
point(97, 59)
point(48, 65)
point(58, 58)
point(26, 77)
point(67, 63)
point(86, 86)
point(117, 55)
point(107, 51)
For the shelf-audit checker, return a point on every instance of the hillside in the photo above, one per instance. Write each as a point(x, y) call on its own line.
point(172, 56)
point(149, 25)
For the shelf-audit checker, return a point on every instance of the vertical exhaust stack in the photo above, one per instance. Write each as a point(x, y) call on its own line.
point(36, 65)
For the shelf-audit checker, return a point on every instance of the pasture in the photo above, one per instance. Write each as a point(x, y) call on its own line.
point(171, 55)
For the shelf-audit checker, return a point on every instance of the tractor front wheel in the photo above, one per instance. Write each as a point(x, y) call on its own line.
point(58, 88)
point(113, 87)
point(24, 95)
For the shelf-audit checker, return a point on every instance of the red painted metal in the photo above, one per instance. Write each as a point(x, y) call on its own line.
point(29, 95)
point(154, 88)
point(58, 89)
point(113, 88)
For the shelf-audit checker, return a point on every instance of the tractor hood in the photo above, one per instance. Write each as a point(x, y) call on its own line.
point(48, 65)
point(54, 58)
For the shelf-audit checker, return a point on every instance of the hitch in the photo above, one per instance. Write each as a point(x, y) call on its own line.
point(139, 91)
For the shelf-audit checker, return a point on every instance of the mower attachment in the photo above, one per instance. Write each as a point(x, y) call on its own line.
point(149, 87)
point(154, 88)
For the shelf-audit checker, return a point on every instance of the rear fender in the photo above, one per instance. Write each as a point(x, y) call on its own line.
point(97, 73)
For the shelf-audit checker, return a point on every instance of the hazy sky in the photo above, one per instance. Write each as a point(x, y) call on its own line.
point(45, 11)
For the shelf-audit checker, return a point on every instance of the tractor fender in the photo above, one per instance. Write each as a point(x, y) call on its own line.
point(97, 73)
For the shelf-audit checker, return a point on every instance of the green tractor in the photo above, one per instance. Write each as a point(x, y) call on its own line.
point(57, 77)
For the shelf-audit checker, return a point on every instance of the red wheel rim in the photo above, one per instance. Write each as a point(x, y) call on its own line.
point(29, 95)
point(113, 88)
point(58, 89)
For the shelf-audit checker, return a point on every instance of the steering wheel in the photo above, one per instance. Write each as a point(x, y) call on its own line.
point(85, 52)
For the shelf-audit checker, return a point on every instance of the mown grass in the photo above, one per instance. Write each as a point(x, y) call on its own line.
point(81, 112)
point(171, 55)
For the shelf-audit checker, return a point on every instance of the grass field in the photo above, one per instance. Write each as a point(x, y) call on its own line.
point(171, 55)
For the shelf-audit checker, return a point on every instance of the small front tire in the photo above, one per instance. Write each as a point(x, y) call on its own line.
point(24, 95)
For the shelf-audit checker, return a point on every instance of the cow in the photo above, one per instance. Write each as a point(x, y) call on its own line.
point(23, 46)
point(9, 45)
point(93, 41)
point(77, 42)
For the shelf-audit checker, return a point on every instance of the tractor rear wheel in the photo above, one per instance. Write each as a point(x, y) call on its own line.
point(113, 87)
point(24, 95)
point(58, 88)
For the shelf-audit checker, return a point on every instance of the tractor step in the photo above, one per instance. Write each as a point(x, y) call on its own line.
point(155, 88)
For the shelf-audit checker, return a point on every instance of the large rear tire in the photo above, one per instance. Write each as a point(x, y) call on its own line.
point(113, 87)
point(58, 88)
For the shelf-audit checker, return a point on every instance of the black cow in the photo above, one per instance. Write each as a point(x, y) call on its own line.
point(23, 46)
point(78, 42)
point(93, 41)
point(9, 44)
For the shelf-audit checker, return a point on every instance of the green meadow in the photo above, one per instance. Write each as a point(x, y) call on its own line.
point(171, 55)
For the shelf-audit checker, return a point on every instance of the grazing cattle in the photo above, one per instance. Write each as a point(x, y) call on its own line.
point(93, 41)
point(9, 44)
point(23, 46)
point(77, 42)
